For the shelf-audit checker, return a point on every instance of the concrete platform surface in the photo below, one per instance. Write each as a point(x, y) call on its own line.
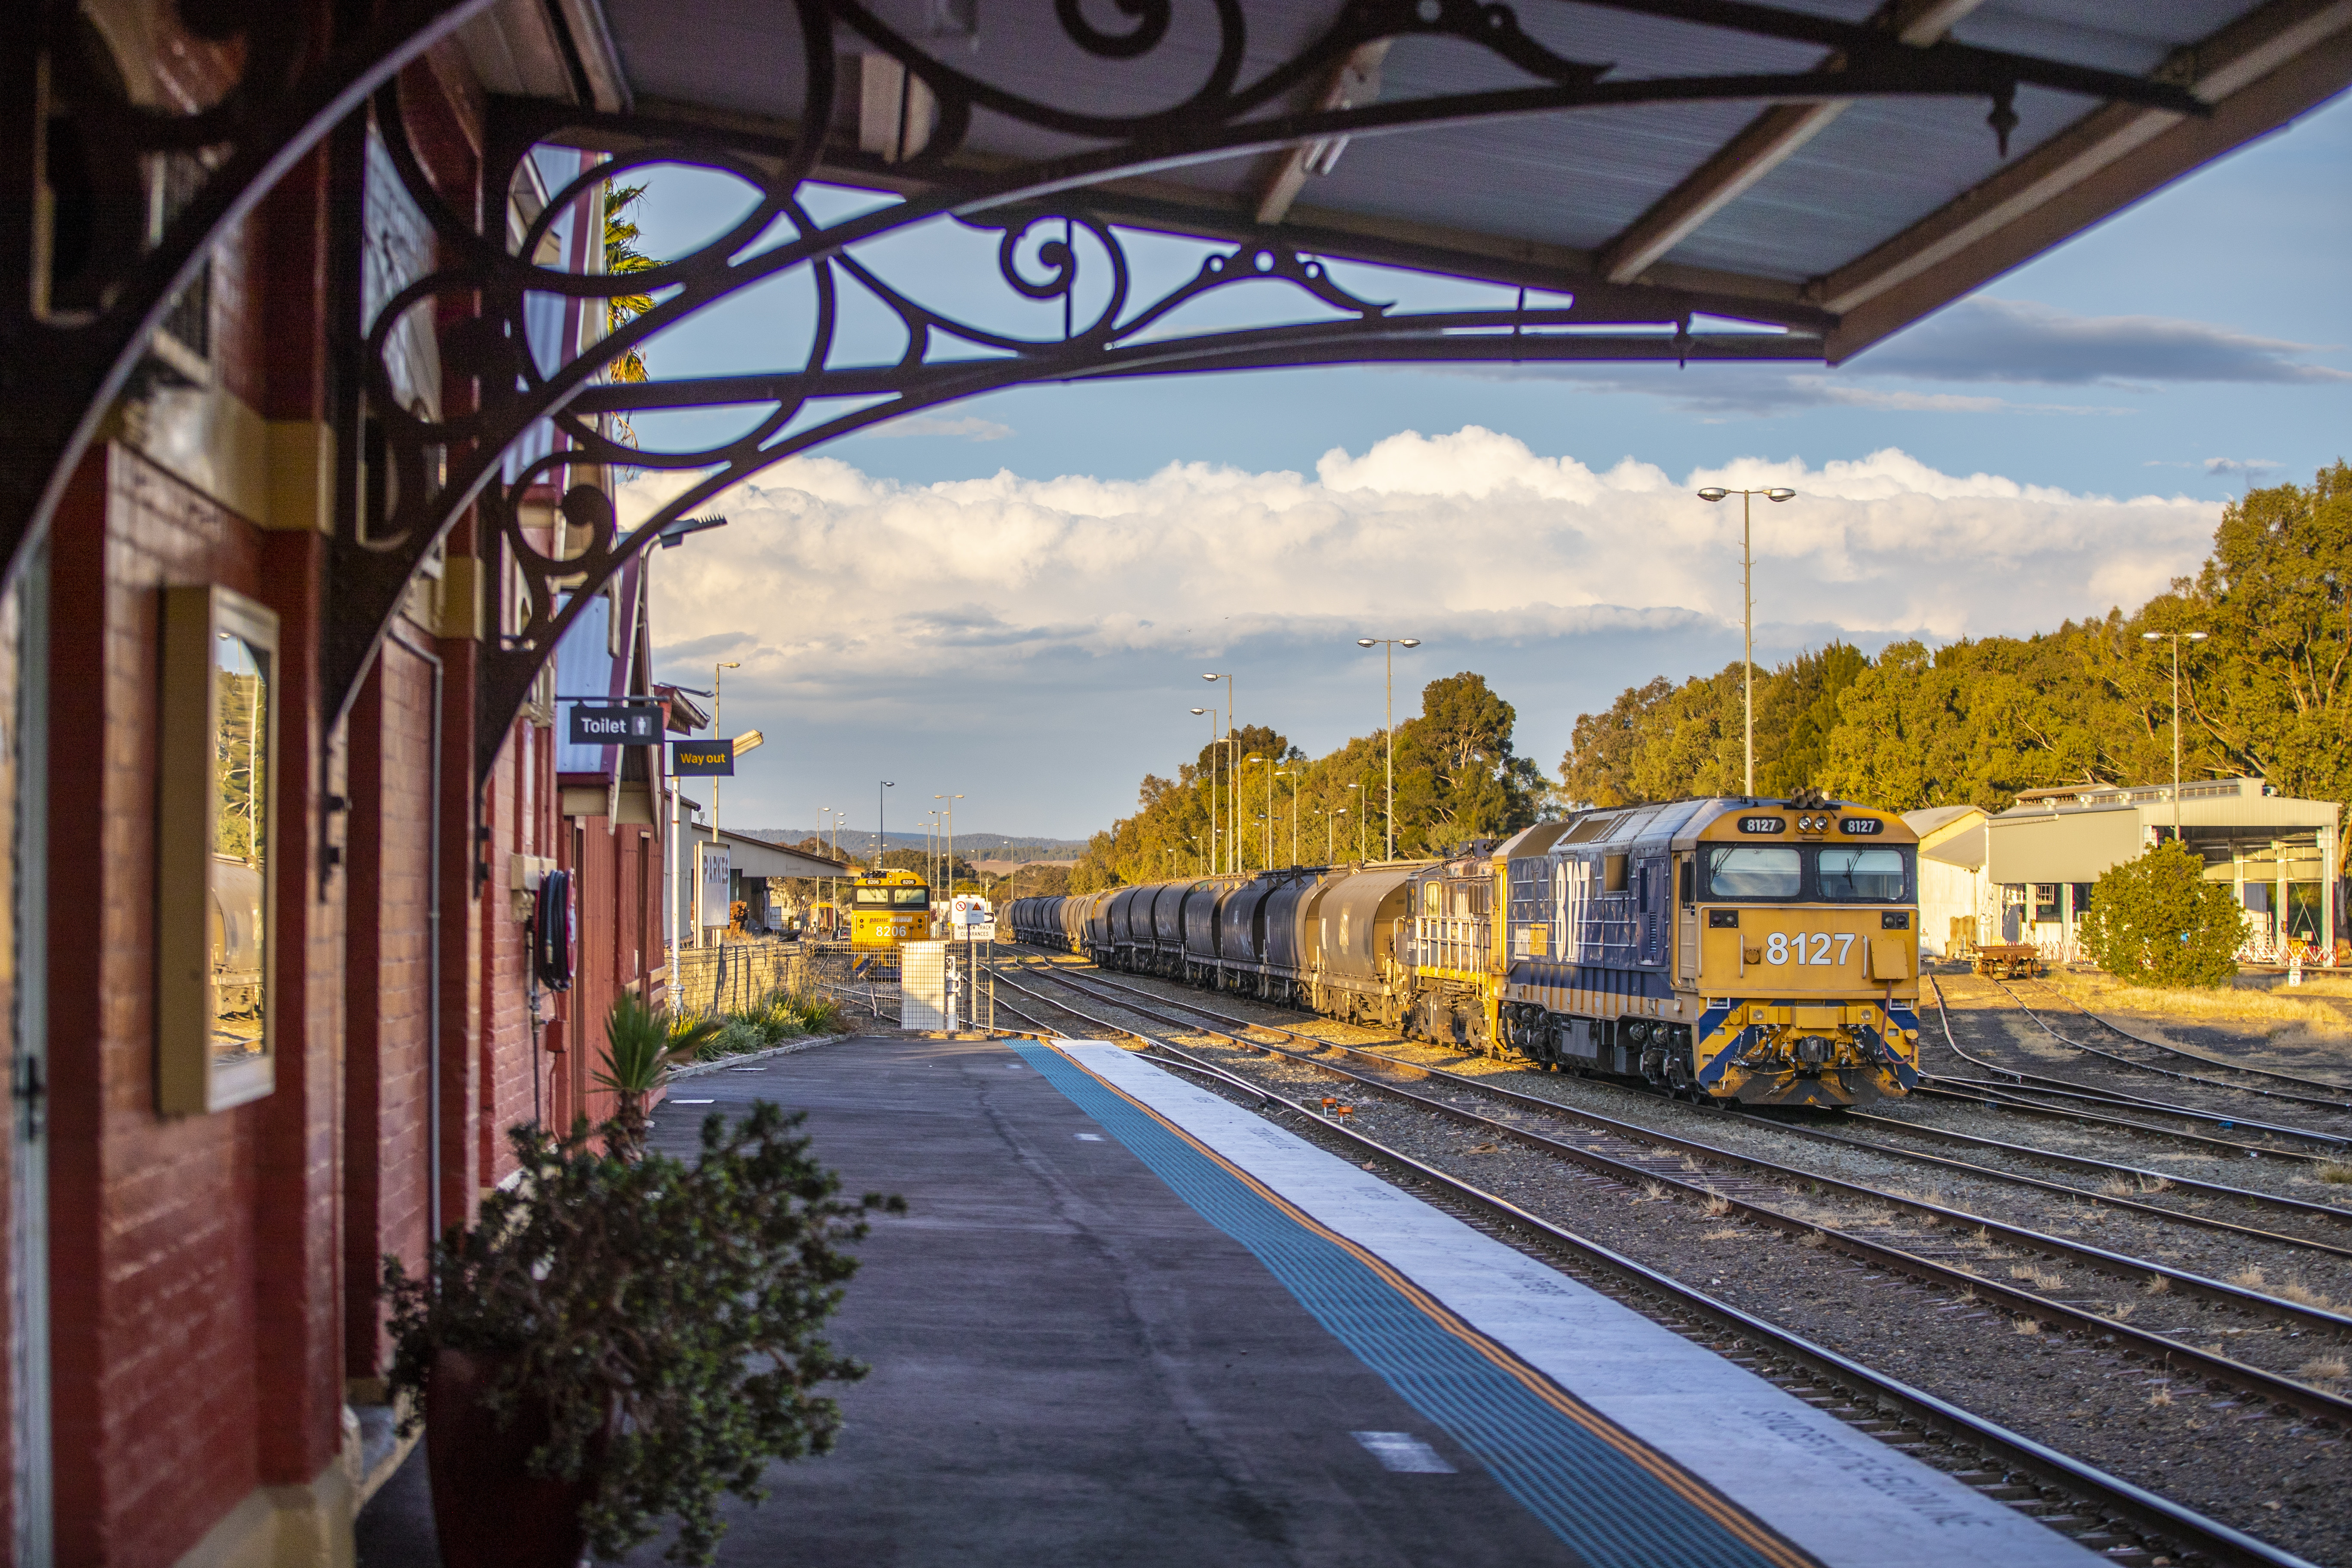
point(1127, 1322)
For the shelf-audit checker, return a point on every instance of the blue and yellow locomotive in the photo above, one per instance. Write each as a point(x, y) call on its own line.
point(1764, 953)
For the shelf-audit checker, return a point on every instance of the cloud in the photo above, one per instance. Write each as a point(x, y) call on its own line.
point(1469, 536)
point(1039, 639)
point(2221, 466)
point(2022, 341)
point(972, 428)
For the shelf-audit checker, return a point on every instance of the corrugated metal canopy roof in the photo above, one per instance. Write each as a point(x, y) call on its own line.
point(1876, 211)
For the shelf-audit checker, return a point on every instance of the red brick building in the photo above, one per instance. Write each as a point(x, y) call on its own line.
point(211, 1327)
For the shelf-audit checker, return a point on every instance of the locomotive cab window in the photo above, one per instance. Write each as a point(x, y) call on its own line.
point(1755, 872)
point(1874, 875)
point(891, 898)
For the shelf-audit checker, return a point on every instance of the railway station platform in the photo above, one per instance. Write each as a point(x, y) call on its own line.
point(1126, 1320)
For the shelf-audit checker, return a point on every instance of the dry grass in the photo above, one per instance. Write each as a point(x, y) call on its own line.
point(2161, 1394)
point(2157, 1285)
point(2026, 1326)
point(1717, 1206)
point(2336, 1172)
point(1728, 1233)
point(2252, 1279)
point(2303, 1295)
point(1652, 1193)
point(1813, 1238)
point(2040, 1278)
point(2122, 1310)
point(2324, 1369)
point(2240, 1004)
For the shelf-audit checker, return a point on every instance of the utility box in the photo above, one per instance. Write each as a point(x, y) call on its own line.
point(923, 985)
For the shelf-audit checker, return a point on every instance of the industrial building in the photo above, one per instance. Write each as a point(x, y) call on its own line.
point(2027, 874)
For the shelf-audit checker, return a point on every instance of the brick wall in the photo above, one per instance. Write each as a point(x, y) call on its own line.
point(386, 1075)
point(155, 1276)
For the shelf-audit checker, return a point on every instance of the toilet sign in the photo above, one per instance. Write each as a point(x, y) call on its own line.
point(616, 724)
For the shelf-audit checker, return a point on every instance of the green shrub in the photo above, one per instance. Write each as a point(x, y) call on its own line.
point(687, 1299)
point(2156, 921)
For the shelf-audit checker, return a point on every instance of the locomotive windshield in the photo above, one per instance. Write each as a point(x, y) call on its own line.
point(1871, 874)
point(1835, 871)
point(1755, 872)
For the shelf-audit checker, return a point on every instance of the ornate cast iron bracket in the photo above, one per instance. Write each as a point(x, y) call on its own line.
point(85, 281)
point(496, 390)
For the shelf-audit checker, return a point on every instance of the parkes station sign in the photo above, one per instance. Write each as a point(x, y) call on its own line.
point(616, 724)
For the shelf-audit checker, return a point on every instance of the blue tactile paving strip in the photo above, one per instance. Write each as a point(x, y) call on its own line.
point(1615, 1500)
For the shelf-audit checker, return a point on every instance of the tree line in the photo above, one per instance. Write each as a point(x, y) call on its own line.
point(1458, 777)
point(2267, 691)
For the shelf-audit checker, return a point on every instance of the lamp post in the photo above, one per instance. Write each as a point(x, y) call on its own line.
point(1391, 644)
point(1292, 775)
point(1212, 772)
point(1748, 618)
point(950, 799)
point(881, 823)
point(1235, 773)
point(718, 727)
point(2175, 640)
point(1254, 757)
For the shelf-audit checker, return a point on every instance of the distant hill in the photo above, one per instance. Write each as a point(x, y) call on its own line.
point(991, 846)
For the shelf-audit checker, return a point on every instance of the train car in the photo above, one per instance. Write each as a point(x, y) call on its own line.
point(886, 908)
point(1762, 952)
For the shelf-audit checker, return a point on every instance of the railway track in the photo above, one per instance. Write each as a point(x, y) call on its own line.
point(2077, 1499)
point(2146, 1180)
point(2036, 1091)
point(1631, 1152)
point(2334, 1096)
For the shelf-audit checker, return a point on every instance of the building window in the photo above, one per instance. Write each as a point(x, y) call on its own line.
point(2045, 903)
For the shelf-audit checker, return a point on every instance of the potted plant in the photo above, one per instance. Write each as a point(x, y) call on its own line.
point(621, 1337)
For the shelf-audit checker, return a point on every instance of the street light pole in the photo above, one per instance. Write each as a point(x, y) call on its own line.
point(1391, 644)
point(1235, 773)
point(718, 727)
point(1746, 620)
point(881, 822)
point(1212, 778)
point(2174, 637)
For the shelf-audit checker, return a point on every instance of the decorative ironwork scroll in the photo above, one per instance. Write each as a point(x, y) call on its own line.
point(112, 205)
point(1050, 244)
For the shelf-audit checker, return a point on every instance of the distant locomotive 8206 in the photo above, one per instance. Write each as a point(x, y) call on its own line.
point(1724, 949)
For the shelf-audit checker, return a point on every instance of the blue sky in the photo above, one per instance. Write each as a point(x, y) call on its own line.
point(1010, 597)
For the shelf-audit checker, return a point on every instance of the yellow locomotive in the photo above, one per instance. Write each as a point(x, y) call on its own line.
point(1760, 952)
point(886, 908)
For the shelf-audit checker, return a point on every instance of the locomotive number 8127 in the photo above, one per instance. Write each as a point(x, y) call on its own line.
point(1759, 952)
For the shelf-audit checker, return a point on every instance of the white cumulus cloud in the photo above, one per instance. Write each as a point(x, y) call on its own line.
point(1079, 607)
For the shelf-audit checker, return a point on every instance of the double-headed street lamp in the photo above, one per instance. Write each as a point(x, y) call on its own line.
point(718, 727)
point(1746, 619)
point(2177, 638)
point(1212, 774)
point(1235, 772)
point(1392, 645)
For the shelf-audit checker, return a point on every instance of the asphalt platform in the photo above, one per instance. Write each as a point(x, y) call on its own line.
point(1126, 1322)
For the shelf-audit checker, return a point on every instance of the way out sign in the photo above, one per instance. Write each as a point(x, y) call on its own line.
point(702, 759)
point(616, 724)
